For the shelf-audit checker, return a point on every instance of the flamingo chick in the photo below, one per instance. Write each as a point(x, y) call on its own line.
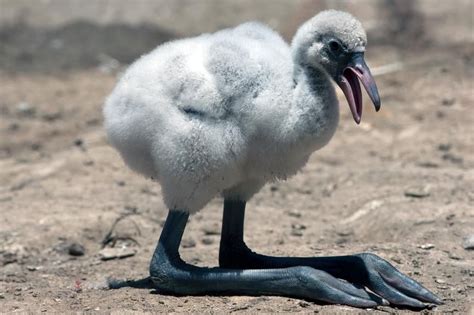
point(225, 113)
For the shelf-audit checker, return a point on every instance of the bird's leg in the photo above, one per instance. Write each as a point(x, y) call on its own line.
point(363, 270)
point(170, 274)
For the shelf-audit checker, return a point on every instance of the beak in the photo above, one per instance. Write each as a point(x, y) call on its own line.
point(348, 81)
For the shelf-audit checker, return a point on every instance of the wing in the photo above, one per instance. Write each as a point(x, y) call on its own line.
point(207, 75)
point(247, 59)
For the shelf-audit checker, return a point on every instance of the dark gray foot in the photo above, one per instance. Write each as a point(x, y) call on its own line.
point(362, 270)
point(171, 275)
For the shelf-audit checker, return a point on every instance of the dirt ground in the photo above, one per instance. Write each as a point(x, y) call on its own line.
point(399, 185)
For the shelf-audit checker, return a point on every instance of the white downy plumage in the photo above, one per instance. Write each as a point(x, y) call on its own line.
point(225, 113)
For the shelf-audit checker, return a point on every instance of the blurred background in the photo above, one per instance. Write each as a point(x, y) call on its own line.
point(48, 35)
point(71, 213)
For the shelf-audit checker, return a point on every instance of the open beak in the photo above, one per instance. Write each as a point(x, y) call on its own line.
point(356, 70)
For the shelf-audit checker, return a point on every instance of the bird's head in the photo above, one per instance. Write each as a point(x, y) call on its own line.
point(335, 41)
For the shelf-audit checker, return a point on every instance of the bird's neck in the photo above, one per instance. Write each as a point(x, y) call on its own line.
point(314, 112)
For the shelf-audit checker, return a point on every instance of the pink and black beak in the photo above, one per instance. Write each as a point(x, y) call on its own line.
point(348, 81)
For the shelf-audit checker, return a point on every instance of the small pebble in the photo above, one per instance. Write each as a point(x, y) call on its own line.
point(51, 116)
point(297, 229)
point(428, 164)
point(417, 192)
point(345, 233)
point(188, 243)
point(114, 253)
point(25, 109)
point(31, 268)
point(450, 157)
point(207, 241)
point(78, 142)
point(448, 101)
point(427, 246)
point(298, 226)
point(296, 233)
point(294, 214)
point(450, 216)
point(422, 222)
point(397, 260)
point(444, 147)
point(454, 257)
point(76, 249)
point(468, 243)
point(211, 230)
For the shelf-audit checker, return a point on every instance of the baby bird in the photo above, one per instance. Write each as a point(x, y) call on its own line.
point(225, 113)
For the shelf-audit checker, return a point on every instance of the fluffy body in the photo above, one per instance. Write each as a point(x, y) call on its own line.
point(225, 113)
point(222, 113)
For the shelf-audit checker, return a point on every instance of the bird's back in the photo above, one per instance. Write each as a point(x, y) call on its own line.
point(206, 75)
point(248, 59)
point(203, 83)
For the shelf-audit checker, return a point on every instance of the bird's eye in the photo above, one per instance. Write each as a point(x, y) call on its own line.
point(334, 46)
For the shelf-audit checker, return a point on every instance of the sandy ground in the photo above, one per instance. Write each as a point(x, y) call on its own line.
point(399, 185)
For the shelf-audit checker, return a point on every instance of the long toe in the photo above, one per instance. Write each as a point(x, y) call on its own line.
point(409, 286)
point(394, 296)
point(349, 288)
point(329, 289)
point(335, 296)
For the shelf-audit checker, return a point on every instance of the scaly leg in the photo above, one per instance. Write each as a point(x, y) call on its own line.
point(170, 274)
point(363, 270)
